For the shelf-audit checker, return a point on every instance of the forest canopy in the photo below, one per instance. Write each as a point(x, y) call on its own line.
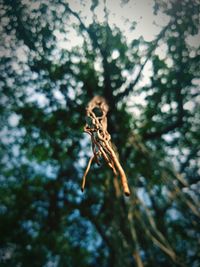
point(55, 56)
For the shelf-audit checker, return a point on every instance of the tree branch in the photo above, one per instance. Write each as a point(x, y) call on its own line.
point(130, 87)
point(104, 53)
point(169, 128)
point(89, 32)
point(177, 124)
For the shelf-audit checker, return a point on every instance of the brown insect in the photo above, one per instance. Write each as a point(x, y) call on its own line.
point(96, 127)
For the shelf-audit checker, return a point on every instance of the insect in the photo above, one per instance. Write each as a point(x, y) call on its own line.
point(96, 127)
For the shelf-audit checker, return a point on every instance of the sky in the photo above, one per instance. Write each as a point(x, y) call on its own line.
point(147, 25)
point(135, 13)
point(123, 16)
point(120, 14)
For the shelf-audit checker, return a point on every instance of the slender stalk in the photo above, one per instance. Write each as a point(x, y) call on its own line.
point(86, 172)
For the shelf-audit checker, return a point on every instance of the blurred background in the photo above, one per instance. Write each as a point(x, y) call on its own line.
point(144, 58)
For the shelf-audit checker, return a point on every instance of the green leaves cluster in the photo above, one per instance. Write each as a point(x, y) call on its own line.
point(46, 83)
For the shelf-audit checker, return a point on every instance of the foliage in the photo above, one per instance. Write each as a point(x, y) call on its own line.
point(44, 218)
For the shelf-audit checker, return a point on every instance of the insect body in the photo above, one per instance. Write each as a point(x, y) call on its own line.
point(96, 127)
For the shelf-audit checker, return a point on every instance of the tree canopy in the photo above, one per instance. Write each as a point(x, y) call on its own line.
point(54, 60)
